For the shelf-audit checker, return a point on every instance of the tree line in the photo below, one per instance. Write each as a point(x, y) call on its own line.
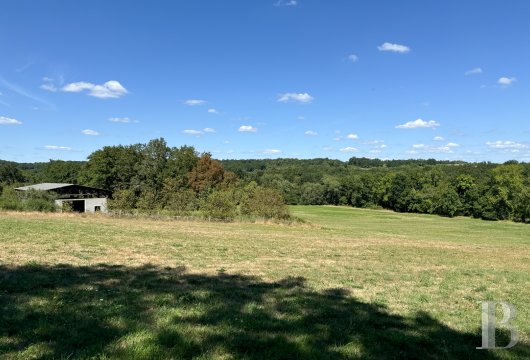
point(153, 178)
point(156, 177)
point(481, 190)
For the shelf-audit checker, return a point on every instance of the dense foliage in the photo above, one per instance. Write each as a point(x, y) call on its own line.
point(483, 190)
point(151, 178)
point(155, 177)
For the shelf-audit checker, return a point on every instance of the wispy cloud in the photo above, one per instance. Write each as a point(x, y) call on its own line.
point(123, 120)
point(397, 48)
point(349, 149)
point(419, 123)
point(247, 128)
point(438, 138)
point(353, 58)
point(193, 132)
point(295, 97)
point(195, 102)
point(352, 136)
point(474, 71)
point(433, 149)
point(506, 81)
point(90, 132)
point(9, 121)
point(110, 89)
point(286, 3)
point(311, 133)
point(271, 152)
point(23, 92)
point(57, 148)
point(213, 111)
point(49, 87)
point(506, 145)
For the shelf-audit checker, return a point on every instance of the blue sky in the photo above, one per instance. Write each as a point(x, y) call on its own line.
point(267, 78)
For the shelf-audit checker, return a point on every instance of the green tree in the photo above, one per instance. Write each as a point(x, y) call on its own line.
point(111, 168)
point(9, 173)
point(220, 205)
point(263, 202)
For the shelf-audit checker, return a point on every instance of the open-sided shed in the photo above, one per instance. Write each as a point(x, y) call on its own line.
point(77, 197)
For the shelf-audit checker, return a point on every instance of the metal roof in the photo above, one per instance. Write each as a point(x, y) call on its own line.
point(44, 186)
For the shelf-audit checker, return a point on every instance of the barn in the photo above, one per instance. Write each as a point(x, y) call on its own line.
point(77, 198)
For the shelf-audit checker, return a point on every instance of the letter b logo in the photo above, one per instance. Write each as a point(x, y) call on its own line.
point(489, 324)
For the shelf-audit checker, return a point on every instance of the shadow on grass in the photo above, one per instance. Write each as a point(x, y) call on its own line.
point(164, 313)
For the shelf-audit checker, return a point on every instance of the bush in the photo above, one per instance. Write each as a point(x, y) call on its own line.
point(31, 200)
point(264, 202)
point(182, 202)
point(123, 200)
point(220, 205)
point(9, 200)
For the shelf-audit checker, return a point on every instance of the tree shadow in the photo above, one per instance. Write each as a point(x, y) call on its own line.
point(52, 312)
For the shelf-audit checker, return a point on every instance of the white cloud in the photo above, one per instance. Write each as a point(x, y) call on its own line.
point(311, 133)
point(271, 151)
point(402, 49)
point(193, 132)
point(213, 111)
point(110, 89)
point(383, 146)
point(474, 71)
point(353, 58)
point(327, 148)
point(506, 145)
point(58, 148)
point(123, 120)
point(506, 81)
point(49, 87)
point(294, 97)
point(9, 121)
point(286, 3)
point(90, 132)
point(49, 84)
point(434, 149)
point(440, 149)
point(352, 136)
point(438, 138)
point(349, 149)
point(419, 123)
point(195, 102)
point(247, 128)
point(208, 130)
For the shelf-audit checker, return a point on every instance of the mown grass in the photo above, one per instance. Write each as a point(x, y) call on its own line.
point(350, 283)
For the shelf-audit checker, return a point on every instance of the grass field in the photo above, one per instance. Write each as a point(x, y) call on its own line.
point(348, 283)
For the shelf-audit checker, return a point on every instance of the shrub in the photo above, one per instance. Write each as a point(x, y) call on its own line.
point(123, 200)
point(31, 200)
point(264, 202)
point(181, 201)
point(9, 200)
point(220, 205)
